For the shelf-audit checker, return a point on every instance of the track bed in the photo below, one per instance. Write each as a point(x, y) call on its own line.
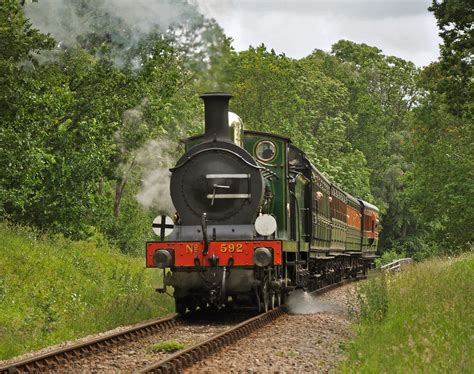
point(203, 333)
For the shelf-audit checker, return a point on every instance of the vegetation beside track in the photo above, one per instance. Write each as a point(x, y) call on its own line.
point(416, 321)
point(53, 289)
point(168, 346)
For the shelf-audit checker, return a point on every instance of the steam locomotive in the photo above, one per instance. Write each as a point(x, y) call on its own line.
point(255, 220)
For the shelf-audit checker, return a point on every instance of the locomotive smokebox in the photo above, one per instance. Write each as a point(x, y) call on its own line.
point(217, 176)
point(216, 116)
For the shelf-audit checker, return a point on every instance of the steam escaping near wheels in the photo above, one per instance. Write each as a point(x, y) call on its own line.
point(302, 302)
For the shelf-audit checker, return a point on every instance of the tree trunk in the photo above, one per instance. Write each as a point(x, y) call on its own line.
point(120, 187)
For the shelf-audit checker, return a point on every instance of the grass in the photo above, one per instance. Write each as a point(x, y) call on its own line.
point(53, 289)
point(167, 347)
point(421, 320)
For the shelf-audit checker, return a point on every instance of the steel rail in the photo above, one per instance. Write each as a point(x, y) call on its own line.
point(61, 356)
point(188, 357)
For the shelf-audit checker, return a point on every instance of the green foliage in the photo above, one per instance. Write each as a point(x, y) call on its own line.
point(18, 39)
point(383, 92)
point(132, 229)
point(418, 247)
point(61, 144)
point(73, 126)
point(455, 19)
point(53, 289)
point(424, 320)
point(440, 182)
point(372, 298)
point(167, 346)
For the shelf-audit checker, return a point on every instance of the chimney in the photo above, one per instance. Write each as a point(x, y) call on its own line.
point(216, 117)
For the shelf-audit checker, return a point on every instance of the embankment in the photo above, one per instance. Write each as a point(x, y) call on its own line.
point(53, 289)
point(420, 320)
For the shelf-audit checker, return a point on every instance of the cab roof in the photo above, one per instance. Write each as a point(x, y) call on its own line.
point(253, 132)
point(368, 205)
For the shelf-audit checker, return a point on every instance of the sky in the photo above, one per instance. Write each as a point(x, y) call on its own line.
point(403, 28)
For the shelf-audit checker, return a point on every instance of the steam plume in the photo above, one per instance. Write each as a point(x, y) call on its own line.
point(124, 21)
point(156, 157)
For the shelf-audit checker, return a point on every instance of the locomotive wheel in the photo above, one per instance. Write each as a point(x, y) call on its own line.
point(192, 305)
point(180, 306)
point(202, 305)
point(284, 297)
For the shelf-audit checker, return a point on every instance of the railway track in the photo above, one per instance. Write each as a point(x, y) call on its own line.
point(68, 358)
point(186, 358)
point(61, 356)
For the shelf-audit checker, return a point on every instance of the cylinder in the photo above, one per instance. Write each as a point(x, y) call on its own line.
point(216, 116)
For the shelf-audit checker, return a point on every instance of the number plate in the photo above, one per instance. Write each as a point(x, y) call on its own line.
point(230, 247)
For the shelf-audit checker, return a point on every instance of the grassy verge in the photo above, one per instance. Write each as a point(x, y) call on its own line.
point(421, 320)
point(53, 289)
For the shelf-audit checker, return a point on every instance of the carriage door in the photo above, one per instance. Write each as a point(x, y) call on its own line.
point(299, 194)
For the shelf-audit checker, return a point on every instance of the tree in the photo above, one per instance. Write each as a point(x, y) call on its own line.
point(383, 92)
point(19, 155)
point(19, 41)
point(455, 19)
point(442, 133)
point(440, 182)
point(70, 132)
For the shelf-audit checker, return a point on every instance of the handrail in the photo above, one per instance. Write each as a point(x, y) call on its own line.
point(397, 264)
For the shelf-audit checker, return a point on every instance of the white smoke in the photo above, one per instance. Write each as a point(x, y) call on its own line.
point(58, 18)
point(301, 302)
point(145, 16)
point(216, 8)
point(156, 157)
point(66, 20)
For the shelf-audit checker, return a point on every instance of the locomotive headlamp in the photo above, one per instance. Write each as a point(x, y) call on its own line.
point(262, 256)
point(162, 258)
point(265, 225)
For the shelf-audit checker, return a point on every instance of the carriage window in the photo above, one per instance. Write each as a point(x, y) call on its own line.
point(266, 151)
